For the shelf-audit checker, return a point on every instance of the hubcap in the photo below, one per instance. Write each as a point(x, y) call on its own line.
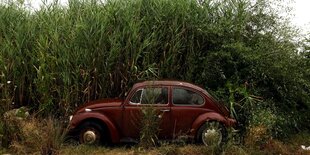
point(212, 135)
point(89, 137)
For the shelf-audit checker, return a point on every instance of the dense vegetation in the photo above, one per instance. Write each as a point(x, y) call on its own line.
point(56, 58)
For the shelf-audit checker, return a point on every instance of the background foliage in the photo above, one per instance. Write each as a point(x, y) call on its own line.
point(54, 59)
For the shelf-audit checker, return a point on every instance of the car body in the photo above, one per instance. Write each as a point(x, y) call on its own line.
point(183, 109)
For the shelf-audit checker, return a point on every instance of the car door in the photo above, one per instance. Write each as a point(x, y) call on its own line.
point(186, 106)
point(141, 104)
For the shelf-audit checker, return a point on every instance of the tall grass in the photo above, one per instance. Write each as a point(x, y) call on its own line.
point(56, 58)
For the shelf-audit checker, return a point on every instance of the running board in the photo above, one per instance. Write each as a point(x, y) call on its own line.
point(129, 140)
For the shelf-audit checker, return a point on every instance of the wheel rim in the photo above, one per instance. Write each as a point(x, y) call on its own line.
point(212, 135)
point(90, 136)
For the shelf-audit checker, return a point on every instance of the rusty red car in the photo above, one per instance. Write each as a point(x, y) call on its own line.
point(184, 109)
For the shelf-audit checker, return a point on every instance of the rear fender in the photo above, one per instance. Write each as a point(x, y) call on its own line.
point(210, 116)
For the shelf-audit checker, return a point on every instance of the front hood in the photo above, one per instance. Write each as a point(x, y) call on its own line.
point(102, 103)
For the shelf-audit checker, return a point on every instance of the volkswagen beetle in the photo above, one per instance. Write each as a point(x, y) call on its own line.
point(183, 109)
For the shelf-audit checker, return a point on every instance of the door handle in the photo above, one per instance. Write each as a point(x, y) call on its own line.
point(163, 112)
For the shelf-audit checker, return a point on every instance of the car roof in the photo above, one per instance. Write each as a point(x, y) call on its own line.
point(168, 83)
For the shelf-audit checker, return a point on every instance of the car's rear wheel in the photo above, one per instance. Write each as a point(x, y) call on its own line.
point(91, 133)
point(212, 134)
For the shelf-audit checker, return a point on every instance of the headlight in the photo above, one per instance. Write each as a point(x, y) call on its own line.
point(70, 118)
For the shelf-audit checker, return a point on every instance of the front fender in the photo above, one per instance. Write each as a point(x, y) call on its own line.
point(81, 117)
point(210, 116)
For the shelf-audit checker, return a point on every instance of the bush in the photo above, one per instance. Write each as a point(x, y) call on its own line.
point(262, 122)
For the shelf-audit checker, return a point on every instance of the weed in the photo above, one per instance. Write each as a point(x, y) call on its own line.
point(149, 127)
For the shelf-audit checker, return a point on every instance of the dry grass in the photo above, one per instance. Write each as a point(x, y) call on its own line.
point(276, 147)
point(38, 137)
point(45, 136)
point(170, 149)
point(272, 147)
point(256, 135)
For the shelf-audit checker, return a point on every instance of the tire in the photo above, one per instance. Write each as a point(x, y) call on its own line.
point(212, 133)
point(91, 133)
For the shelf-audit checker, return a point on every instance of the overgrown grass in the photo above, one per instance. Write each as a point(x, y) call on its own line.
point(38, 136)
point(35, 136)
point(291, 146)
point(56, 58)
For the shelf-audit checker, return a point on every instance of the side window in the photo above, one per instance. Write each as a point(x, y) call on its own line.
point(181, 96)
point(151, 95)
point(155, 96)
point(136, 98)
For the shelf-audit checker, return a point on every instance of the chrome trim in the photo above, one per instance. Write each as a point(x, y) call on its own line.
point(70, 118)
point(87, 110)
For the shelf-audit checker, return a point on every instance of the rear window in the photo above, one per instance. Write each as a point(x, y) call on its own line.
point(182, 96)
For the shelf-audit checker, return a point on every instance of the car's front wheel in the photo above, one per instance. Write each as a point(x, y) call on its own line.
point(212, 134)
point(90, 133)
